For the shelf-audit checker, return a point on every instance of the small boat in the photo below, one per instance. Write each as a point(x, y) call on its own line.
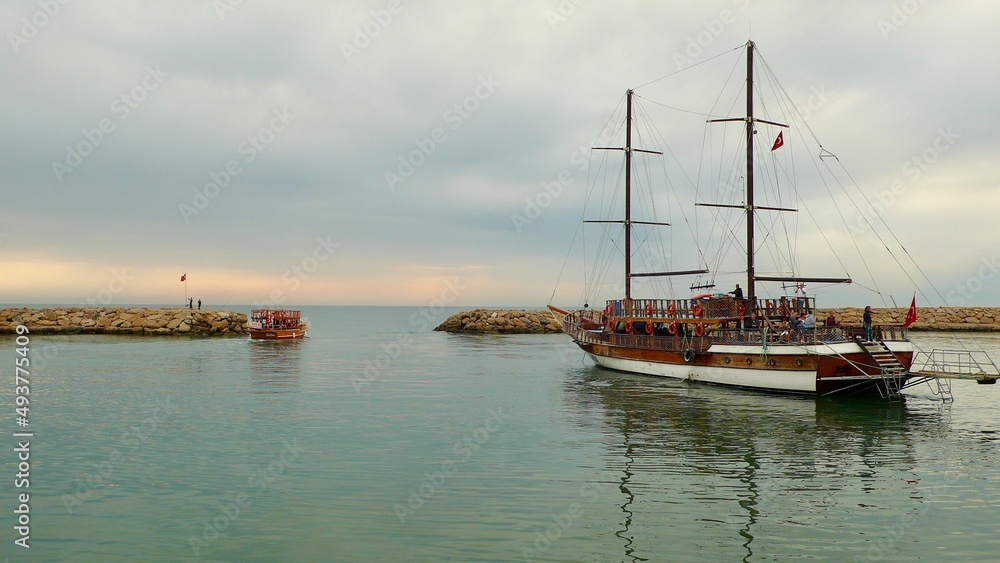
point(277, 324)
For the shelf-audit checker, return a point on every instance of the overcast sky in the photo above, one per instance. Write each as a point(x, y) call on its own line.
point(380, 152)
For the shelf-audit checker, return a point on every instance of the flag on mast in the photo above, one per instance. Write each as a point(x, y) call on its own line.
point(778, 142)
point(911, 315)
point(184, 276)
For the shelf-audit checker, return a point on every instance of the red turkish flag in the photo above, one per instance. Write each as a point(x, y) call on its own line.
point(911, 315)
point(778, 142)
point(184, 277)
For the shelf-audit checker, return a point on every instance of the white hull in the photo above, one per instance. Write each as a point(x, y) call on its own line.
point(781, 380)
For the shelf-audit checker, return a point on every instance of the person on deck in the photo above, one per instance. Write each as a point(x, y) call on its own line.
point(800, 297)
point(809, 322)
point(831, 320)
point(867, 322)
point(738, 297)
point(737, 293)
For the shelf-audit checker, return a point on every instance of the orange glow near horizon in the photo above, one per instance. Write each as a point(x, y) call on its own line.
point(103, 284)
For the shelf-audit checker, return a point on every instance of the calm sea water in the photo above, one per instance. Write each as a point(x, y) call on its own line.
point(379, 440)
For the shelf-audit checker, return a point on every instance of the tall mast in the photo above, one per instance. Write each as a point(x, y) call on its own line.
point(628, 197)
point(628, 222)
point(751, 289)
point(750, 121)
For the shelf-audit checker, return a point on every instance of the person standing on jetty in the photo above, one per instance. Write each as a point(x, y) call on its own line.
point(867, 322)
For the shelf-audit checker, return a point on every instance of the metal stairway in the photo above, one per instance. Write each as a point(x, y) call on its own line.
point(891, 370)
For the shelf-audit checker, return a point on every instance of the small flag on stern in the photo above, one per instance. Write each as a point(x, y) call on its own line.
point(184, 277)
point(911, 315)
point(778, 142)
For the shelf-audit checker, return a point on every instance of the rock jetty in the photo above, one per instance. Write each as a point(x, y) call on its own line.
point(502, 321)
point(980, 319)
point(120, 320)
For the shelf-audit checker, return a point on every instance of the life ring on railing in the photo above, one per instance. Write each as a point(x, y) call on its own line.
point(689, 355)
point(741, 309)
point(769, 305)
point(672, 309)
point(628, 327)
point(611, 325)
point(649, 328)
point(699, 329)
point(697, 310)
point(607, 310)
point(649, 309)
point(672, 329)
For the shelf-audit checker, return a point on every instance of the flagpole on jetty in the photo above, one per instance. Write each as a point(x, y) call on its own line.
point(184, 278)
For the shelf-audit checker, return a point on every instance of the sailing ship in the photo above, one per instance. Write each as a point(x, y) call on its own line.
point(751, 340)
point(277, 324)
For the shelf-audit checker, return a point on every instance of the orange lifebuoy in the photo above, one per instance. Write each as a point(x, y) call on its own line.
point(672, 309)
point(699, 329)
point(607, 310)
point(770, 306)
point(629, 328)
point(740, 309)
point(697, 310)
point(672, 329)
point(611, 325)
point(649, 328)
point(649, 309)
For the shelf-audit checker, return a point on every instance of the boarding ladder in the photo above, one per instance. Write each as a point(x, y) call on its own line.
point(891, 370)
point(942, 366)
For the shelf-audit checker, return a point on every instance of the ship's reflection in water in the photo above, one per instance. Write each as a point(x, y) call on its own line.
point(275, 366)
point(719, 466)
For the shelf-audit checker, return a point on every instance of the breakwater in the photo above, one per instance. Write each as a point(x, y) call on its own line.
point(979, 319)
point(502, 321)
point(121, 320)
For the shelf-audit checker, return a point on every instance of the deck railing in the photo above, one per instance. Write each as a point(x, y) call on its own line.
point(771, 333)
point(717, 308)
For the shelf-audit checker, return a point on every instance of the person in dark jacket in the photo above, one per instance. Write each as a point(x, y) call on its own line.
point(867, 322)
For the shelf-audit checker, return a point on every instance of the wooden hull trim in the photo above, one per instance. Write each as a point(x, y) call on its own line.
point(284, 334)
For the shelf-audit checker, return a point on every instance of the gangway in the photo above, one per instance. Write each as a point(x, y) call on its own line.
point(943, 366)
